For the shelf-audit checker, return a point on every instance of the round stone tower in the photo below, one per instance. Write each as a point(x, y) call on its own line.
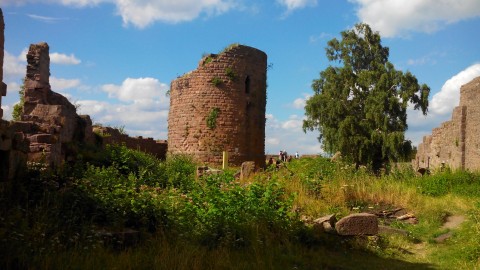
point(220, 106)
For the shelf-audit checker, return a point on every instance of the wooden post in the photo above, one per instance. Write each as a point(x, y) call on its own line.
point(225, 160)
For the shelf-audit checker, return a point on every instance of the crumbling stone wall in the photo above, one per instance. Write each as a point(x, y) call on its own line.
point(220, 106)
point(456, 143)
point(49, 120)
point(3, 86)
point(13, 144)
point(109, 135)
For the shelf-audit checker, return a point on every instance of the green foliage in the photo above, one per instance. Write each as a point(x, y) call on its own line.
point(313, 172)
point(212, 118)
point(230, 73)
point(216, 81)
point(18, 108)
point(459, 182)
point(360, 102)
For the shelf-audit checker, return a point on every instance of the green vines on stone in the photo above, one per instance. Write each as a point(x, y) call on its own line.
point(212, 118)
point(230, 73)
point(216, 81)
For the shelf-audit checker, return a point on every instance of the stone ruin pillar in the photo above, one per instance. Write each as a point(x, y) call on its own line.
point(37, 79)
point(3, 86)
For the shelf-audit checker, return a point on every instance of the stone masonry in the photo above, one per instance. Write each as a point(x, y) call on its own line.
point(219, 107)
point(13, 144)
point(3, 86)
point(158, 148)
point(49, 120)
point(456, 143)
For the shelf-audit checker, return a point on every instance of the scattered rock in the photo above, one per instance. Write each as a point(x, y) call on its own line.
point(325, 224)
point(358, 224)
point(248, 168)
point(443, 237)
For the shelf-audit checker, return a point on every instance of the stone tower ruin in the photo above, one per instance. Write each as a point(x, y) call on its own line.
point(456, 143)
point(220, 106)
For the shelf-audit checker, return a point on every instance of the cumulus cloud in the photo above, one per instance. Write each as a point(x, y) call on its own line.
point(59, 84)
point(398, 17)
point(146, 92)
point(136, 120)
point(444, 101)
point(63, 59)
point(143, 107)
point(296, 4)
point(145, 12)
point(13, 68)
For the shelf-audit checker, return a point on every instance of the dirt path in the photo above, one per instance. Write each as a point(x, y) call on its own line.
point(453, 222)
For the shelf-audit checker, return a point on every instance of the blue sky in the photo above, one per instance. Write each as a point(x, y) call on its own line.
point(116, 58)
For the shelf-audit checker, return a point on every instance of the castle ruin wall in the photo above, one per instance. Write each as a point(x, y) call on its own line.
point(455, 143)
point(157, 148)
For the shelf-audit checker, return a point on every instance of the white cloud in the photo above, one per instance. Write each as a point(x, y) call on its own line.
point(444, 101)
point(146, 92)
point(13, 68)
point(59, 84)
point(296, 4)
point(22, 57)
point(398, 17)
point(45, 19)
point(145, 12)
point(299, 103)
point(293, 123)
point(6, 112)
point(63, 59)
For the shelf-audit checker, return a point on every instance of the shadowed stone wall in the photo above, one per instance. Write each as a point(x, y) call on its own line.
point(220, 106)
point(3, 86)
point(456, 143)
point(158, 148)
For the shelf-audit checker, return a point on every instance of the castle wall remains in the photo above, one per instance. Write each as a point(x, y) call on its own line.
point(158, 148)
point(3, 86)
point(219, 107)
point(13, 144)
point(455, 143)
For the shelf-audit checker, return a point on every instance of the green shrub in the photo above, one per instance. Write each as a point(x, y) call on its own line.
point(459, 182)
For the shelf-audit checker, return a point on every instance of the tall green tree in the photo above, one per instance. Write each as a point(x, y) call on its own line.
point(360, 101)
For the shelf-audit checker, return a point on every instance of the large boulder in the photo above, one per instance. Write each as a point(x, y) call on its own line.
point(358, 224)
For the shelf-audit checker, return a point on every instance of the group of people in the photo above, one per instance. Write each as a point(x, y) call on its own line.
point(282, 157)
